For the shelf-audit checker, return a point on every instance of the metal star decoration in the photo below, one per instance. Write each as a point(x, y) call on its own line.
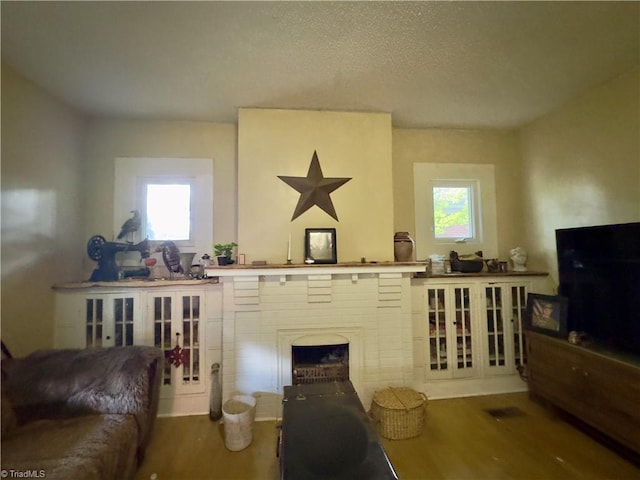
point(314, 189)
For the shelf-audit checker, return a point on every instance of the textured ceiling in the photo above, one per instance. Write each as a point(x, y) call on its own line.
point(453, 64)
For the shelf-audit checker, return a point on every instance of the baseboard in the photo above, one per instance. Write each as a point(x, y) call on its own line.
point(472, 387)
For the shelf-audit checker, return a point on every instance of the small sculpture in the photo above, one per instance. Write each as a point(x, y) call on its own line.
point(493, 265)
point(130, 226)
point(472, 263)
point(519, 259)
point(170, 256)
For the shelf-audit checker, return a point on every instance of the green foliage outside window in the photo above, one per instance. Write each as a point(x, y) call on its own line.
point(451, 212)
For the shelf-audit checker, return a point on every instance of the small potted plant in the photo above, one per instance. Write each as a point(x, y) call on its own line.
point(223, 252)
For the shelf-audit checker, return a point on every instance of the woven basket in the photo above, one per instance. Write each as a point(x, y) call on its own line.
point(398, 412)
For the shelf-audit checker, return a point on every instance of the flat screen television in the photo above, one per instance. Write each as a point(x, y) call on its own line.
point(599, 273)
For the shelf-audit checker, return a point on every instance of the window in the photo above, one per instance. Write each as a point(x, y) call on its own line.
point(174, 197)
point(166, 211)
point(454, 209)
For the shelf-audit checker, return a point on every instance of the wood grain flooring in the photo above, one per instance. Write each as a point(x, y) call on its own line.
point(461, 440)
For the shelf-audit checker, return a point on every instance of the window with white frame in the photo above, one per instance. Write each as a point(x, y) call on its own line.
point(454, 209)
point(166, 205)
point(174, 198)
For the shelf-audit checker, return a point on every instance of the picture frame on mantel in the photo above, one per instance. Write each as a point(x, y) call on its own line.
point(320, 246)
point(547, 314)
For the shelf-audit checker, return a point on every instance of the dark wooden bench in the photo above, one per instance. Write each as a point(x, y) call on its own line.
point(326, 433)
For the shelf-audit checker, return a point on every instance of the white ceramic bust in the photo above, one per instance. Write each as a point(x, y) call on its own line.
point(519, 259)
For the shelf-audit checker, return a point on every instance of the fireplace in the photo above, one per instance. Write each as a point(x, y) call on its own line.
point(320, 355)
point(319, 363)
point(268, 311)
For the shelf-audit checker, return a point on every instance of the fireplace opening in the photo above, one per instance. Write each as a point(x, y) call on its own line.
point(319, 363)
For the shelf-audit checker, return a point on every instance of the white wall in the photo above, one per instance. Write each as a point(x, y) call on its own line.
point(581, 166)
point(109, 139)
point(489, 147)
point(42, 208)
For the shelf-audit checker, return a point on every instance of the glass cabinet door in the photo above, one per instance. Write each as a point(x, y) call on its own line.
point(451, 345)
point(436, 308)
point(109, 320)
point(177, 331)
point(191, 338)
point(123, 315)
point(518, 312)
point(163, 332)
point(464, 344)
point(94, 321)
point(505, 309)
point(496, 351)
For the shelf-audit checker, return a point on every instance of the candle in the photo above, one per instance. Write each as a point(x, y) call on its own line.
point(289, 248)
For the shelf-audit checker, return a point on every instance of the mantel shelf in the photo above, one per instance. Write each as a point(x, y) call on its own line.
point(134, 283)
point(323, 269)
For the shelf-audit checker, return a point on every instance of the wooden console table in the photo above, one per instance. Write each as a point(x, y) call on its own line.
point(600, 388)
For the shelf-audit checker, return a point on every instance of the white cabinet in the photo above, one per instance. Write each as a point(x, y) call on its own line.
point(503, 309)
point(175, 319)
point(98, 319)
point(467, 335)
point(183, 318)
point(451, 339)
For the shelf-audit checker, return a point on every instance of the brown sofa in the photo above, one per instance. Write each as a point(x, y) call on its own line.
point(79, 414)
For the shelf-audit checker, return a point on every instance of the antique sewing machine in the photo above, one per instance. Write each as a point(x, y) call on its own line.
point(105, 252)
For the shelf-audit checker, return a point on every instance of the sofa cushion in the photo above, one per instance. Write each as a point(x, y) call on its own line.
point(59, 384)
point(9, 419)
point(87, 447)
point(109, 380)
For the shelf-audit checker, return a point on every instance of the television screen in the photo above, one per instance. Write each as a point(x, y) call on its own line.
point(599, 273)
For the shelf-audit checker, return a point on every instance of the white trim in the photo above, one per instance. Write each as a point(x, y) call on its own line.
point(284, 271)
point(128, 171)
point(144, 181)
point(475, 209)
point(423, 176)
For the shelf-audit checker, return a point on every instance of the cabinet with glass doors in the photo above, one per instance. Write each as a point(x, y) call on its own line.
point(503, 310)
point(451, 341)
point(468, 332)
point(177, 324)
point(108, 319)
point(170, 315)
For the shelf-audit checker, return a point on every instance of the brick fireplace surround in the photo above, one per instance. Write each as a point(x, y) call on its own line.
point(267, 310)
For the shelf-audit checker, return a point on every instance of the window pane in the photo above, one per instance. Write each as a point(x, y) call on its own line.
point(452, 212)
point(168, 212)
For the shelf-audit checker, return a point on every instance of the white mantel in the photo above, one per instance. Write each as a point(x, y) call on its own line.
point(320, 269)
point(268, 308)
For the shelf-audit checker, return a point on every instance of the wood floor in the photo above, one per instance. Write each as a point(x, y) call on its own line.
point(460, 441)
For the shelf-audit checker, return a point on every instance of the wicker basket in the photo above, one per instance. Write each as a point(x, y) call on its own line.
point(398, 412)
